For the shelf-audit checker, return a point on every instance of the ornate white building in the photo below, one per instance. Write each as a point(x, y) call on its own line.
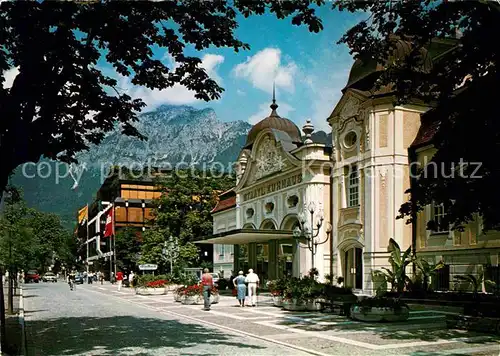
point(278, 175)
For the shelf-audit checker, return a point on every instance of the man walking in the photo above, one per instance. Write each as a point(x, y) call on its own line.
point(253, 283)
point(119, 279)
point(207, 282)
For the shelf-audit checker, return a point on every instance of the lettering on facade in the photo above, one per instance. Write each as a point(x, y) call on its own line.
point(273, 187)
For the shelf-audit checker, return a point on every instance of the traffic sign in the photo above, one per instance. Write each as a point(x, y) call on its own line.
point(148, 267)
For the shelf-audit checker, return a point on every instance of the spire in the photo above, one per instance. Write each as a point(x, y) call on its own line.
point(274, 106)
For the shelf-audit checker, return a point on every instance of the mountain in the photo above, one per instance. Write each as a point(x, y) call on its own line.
point(175, 134)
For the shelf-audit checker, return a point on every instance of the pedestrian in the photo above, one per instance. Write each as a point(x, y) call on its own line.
point(241, 288)
point(119, 279)
point(112, 279)
point(131, 279)
point(207, 282)
point(253, 283)
point(101, 277)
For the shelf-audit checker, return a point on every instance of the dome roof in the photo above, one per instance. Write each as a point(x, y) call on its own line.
point(361, 69)
point(274, 121)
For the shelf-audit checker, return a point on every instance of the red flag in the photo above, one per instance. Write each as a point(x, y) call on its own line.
point(108, 230)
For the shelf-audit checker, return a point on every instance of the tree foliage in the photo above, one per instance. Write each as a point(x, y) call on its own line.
point(187, 200)
point(128, 247)
point(30, 238)
point(469, 129)
point(62, 100)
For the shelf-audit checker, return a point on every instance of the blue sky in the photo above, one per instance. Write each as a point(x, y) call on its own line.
point(309, 70)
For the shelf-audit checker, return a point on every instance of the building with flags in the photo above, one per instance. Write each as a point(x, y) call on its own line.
point(121, 202)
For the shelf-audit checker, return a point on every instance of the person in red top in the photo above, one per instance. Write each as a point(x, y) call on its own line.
point(119, 279)
point(207, 282)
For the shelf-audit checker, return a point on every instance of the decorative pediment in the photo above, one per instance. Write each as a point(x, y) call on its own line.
point(349, 106)
point(268, 158)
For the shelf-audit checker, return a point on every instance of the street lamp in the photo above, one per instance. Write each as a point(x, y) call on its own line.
point(309, 233)
point(170, 250)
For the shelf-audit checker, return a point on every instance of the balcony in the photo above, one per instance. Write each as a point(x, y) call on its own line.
point(349, 216)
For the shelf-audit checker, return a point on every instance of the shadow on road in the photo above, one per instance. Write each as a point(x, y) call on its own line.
point(120, 334)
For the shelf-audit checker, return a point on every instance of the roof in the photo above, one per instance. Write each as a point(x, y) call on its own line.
point(274, 121)
point(224, 204)
point(362, 71)
point(426, 133)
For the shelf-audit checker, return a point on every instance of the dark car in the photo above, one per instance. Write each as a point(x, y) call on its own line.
point(32, 276)
point(79, 278)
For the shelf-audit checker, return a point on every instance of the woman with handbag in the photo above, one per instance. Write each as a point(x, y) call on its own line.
point(240, 288)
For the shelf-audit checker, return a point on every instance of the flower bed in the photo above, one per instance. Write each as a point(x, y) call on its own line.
point(194, 295)
point(151, 285)
point(380, 309)
point(294, 305)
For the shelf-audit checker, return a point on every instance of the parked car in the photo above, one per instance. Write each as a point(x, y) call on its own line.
point(49, 277)
point(32, 276)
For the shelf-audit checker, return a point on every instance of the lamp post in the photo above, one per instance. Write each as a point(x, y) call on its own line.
point(170, 250)
point(310, 233)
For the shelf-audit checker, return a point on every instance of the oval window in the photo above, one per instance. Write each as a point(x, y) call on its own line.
point(350, 139)
point(292, 201)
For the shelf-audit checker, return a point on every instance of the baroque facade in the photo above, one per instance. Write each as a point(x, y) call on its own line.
point(374, 143)
point(278, 174)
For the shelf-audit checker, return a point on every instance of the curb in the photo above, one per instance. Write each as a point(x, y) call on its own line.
point(21, 322)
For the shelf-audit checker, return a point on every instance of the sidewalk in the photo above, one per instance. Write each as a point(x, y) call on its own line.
point(13, 327)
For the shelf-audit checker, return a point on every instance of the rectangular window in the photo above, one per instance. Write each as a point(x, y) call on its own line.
point(222, 250)
point(353, 187)
point(135, 215)
point(120, 213)
point(438, 214)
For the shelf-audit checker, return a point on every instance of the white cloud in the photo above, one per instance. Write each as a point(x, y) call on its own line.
point(240, 92)
point(210, 62)
point(265, 67)
point(264, 110)
point(9, 76)
point(177, 94)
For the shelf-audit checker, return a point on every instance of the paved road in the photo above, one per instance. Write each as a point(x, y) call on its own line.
point(83, 322)
point(98, 320)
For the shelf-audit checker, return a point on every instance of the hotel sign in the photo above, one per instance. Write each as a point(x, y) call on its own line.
point(273, 187)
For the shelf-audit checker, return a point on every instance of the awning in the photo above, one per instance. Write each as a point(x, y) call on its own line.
point(244, 236)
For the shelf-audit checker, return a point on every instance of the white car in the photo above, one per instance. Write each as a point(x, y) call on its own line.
point(49, 277)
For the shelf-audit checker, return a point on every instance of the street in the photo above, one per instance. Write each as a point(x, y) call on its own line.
point(83, 322)
point(98, 320)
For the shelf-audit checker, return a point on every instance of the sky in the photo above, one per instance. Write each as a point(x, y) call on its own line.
point(308, 69)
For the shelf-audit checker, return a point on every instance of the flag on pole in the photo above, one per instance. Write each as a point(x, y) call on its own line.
point(83, 215)
point(108, 230)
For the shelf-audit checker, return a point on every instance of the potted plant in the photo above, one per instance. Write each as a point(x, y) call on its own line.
point(193, 294)
point(277, 288)
point(151, 285)
point(179, 293)
point(312, 291)
point(380, 309)
point(294, 295)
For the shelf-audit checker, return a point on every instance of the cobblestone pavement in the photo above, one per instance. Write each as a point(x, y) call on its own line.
point(292, 333)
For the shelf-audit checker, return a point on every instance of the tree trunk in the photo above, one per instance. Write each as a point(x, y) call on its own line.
point(3, 337)
point(11, 294)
